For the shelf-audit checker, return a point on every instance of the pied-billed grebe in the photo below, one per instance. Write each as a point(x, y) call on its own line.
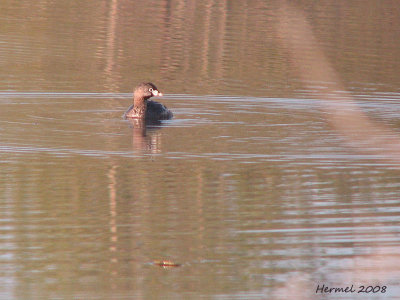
point(143, 108)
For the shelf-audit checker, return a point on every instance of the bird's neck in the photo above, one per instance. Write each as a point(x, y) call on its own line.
point(139, 102)
point(140, 106)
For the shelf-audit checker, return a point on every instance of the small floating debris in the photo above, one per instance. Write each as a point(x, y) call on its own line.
point(166, 264)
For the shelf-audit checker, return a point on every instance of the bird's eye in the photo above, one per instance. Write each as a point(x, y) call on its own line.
point(150, 89)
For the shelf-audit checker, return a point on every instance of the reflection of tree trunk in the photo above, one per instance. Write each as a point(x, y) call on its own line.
point(113, 222)
point(173, 23)
point(110, 41)
point(205, 52)
point(110, 47)
point(200, 205)
point(166, 37)
point(343, 113)
point(219, 72)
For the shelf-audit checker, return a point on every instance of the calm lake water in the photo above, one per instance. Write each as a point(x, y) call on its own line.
point(279, 173)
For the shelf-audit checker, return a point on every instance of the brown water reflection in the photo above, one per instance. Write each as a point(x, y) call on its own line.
point(193, 47)
point(250, 188)
point(145, 135)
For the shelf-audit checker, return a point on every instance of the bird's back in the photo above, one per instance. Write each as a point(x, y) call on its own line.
point(157, 111)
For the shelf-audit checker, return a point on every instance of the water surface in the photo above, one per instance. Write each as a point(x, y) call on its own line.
point(260, 187)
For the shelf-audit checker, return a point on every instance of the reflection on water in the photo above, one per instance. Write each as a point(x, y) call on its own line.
point(345, 115)
point(252, 187)
point(96, 199)
point(145, 136)
point(195, 47)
